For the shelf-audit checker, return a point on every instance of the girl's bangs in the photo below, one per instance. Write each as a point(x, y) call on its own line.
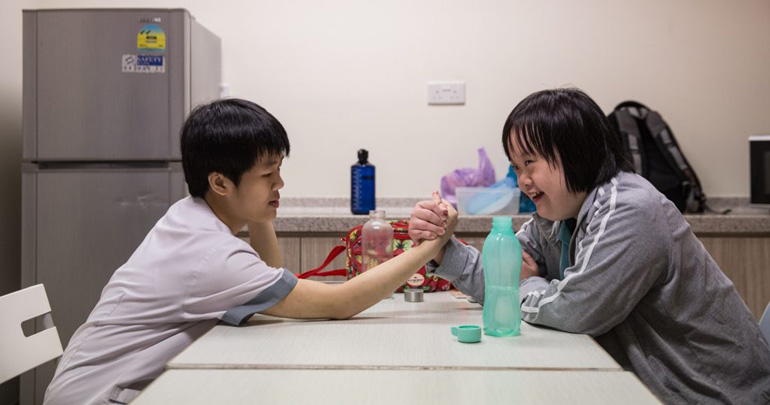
point(530, 139)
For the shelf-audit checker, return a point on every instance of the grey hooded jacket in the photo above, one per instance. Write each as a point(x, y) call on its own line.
point(643, 285)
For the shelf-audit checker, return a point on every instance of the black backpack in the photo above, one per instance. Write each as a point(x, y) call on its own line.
point(651, 147)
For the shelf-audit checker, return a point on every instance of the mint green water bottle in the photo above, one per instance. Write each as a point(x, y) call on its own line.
point(502, 266)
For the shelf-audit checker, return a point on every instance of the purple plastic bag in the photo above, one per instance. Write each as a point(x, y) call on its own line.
point(467, 177)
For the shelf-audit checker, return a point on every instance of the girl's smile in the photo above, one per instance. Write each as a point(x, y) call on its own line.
point(535, 197)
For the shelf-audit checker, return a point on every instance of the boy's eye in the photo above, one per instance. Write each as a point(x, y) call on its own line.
point(527, 162)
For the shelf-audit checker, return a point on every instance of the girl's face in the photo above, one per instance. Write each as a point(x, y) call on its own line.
point(545, 184)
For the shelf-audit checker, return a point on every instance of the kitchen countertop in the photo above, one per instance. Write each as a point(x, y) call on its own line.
point(332, 215)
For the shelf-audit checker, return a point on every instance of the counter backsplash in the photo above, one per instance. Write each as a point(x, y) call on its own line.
point(332, 215)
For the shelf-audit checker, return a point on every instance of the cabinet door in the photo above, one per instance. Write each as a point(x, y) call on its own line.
point(291, 253)
point(745, 261)
point(314, 252)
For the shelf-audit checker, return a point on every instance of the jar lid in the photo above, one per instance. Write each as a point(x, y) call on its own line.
point(413, 295)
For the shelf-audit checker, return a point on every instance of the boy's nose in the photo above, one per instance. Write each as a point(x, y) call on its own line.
point(279, 184)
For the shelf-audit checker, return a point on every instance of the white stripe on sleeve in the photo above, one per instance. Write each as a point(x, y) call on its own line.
point(563, 283)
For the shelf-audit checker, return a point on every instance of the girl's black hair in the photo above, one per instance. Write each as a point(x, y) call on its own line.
point(570, 123)
point(228, 136)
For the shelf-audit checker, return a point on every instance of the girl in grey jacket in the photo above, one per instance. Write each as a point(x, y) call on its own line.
point(607, 255)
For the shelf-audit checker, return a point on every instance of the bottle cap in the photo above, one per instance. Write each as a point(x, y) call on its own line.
point(467, 333)
point(363, 156)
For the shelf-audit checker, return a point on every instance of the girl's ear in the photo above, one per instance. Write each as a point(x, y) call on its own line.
point(218, 183)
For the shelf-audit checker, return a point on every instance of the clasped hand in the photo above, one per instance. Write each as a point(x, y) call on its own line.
point(445, 218)
point(429, 220)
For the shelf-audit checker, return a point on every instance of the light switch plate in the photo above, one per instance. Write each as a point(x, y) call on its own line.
point(440, 93)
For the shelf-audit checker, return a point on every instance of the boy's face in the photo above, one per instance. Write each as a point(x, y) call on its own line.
point(256, 198)
point(545, 184)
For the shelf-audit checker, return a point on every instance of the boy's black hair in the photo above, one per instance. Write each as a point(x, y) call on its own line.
point(228, 136)
point(570, 123)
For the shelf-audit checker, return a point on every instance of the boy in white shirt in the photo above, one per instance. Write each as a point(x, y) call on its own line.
point(192, 271)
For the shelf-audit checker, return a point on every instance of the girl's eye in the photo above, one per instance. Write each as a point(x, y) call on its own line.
point(527, 162)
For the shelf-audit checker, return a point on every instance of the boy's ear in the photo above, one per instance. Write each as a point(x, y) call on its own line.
point(218, 183)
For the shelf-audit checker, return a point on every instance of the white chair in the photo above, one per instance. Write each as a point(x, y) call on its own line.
point(764, 323)
point(19, 353)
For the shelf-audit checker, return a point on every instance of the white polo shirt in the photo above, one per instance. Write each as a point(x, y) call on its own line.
point(188, 273)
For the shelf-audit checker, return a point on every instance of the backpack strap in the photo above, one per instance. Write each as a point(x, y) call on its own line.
point(633, 139)
point(668, 145)
point(662, 136)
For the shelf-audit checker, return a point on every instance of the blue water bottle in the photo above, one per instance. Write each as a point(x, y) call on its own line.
point(362, 185)
point(502, 266)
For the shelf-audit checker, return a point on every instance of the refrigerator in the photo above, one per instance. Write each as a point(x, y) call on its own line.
point(105, 94)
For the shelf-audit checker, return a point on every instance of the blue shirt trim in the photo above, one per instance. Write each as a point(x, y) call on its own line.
point(266, 299)
point(566, 229)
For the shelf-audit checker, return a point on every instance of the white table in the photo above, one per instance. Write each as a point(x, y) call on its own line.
point(389, 387)
point(390, 335)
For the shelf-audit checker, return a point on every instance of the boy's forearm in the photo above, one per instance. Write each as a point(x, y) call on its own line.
point(311, 299)
point(263, 239)
point(368, 288)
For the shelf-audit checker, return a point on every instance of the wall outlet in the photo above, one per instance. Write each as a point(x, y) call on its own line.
point(446, 93)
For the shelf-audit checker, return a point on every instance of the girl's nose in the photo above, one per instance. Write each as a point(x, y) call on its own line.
point(524, 181)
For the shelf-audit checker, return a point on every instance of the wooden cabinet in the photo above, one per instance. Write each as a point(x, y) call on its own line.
point(746, 262)
point(744, 259)
point(314, 251)
point(303, 253)
point(290, 253)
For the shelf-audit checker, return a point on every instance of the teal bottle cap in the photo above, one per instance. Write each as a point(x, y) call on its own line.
point(467, 333)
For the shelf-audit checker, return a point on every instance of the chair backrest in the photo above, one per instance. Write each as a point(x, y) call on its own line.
point(19, 353)
point(764, 323)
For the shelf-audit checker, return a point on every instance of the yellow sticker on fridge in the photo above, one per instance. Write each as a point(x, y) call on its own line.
point(151, 38)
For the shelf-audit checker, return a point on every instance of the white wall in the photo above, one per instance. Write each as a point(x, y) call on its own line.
point(347, 74)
